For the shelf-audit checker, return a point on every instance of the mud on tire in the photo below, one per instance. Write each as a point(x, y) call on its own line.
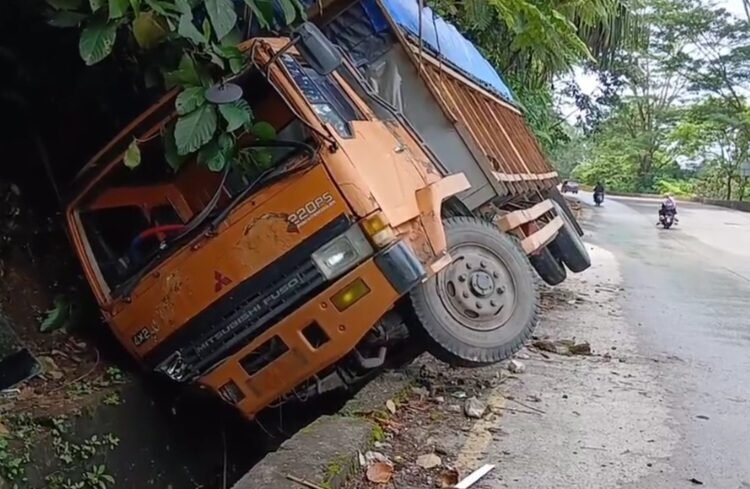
point(483, 306)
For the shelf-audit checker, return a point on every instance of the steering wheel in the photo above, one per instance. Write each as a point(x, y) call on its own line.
point(153, 231)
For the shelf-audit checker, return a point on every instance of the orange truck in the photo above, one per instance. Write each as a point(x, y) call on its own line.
point(300, 280)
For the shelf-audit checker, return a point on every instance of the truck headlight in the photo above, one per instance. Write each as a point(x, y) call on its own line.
point(342, 253)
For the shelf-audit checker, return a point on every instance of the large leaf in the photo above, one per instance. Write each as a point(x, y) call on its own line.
point(232, 54)
point(65, 4)
point(189, 99)
point(217, 153)
point(186, 73)
point(264, 131)
point(237, 114)
point(184, 7)
point(149, 29)
point(59, 316)
point(289, 8)
point(132, 157)
point(263, 11)
point(195, 129)
point(222, 15)
point(66, 19)
point(174, 159)
point(186, 28)
point(118, 8)
point(97, 4)
point(163, 8)
point(97, 40)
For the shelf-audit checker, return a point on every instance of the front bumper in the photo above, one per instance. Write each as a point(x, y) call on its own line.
point(284, 356)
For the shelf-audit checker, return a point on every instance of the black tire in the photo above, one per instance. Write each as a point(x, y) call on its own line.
point(569, 247)
point(550, 268)
point(482, 307)
point(562, 202)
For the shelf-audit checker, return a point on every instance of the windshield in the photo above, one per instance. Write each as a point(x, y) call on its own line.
point(129, 217)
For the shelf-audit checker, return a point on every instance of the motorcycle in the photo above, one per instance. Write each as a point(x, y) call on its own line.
point(667, 218)
point(598, 198)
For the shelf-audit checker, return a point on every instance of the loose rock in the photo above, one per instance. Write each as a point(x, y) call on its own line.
point(429, 461)
point(453, 408)
point(50, 368)
point(390, 406)
point(375, 457)
point(380, 473)
point(474, 408)
point(516, 367)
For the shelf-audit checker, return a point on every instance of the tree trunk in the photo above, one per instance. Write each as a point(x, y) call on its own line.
point(729, 187)
point(742, 188)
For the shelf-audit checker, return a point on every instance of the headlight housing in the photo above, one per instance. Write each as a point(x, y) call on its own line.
point(341, 254)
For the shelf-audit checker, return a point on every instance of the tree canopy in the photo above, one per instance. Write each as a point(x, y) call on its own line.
point(679, 120)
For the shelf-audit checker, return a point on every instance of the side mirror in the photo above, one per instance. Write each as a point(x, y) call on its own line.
point(317, 50)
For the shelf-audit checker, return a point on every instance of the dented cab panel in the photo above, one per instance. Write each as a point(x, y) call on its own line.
point(211, 268)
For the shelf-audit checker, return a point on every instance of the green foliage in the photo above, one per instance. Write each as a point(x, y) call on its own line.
point(195, 129)
point(682, 124)
point(677, 188)
point(532, 41)
point(164, 31)
point(97, 40)
point(63, 314)
point(132, 156)
point(236, 114)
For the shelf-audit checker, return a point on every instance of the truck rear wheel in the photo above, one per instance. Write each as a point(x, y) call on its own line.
point(483, 306)
point(549, 267)
point(562, 204)
point(568, 245)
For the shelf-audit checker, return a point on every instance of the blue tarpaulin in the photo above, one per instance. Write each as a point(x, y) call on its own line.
point(438, 36)
point(442, 38)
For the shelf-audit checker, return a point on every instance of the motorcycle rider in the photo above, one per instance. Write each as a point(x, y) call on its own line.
point(668, 205)
point(599, 189)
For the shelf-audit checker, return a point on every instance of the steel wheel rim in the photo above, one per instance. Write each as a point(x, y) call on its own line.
point(477, 289)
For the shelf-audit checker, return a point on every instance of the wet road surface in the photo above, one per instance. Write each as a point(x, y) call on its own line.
point(687, 296)
point(664, 403)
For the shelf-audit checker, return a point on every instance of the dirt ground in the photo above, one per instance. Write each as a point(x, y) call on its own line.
point(37, 268)
point(574, 405)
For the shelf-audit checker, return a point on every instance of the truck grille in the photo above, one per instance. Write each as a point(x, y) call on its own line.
point(249, 309)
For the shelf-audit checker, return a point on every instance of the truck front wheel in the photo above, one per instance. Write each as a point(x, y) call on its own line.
point(483, 306)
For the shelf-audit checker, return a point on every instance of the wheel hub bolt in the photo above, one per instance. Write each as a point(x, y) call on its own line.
point(479, 305)
point(495, 274)
point(482, 264)
point(501, 289)
point(493, 303)
point(466, 295)
point(469, 266)
point(462, 278)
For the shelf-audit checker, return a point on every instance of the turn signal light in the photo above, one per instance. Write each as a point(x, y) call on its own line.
point(378, 229)
point(350, 294)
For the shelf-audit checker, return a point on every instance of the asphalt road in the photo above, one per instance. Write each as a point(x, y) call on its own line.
point(664, 402)
point(688, 299)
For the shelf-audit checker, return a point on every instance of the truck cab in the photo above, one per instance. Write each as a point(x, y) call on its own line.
point(260, 283)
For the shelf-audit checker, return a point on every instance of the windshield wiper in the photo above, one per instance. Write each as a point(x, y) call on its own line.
point(127, 287)
point(268, 176)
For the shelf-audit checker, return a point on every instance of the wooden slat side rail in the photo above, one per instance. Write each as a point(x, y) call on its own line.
point(515, 219)
point(533, 243)
point(498, 127)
